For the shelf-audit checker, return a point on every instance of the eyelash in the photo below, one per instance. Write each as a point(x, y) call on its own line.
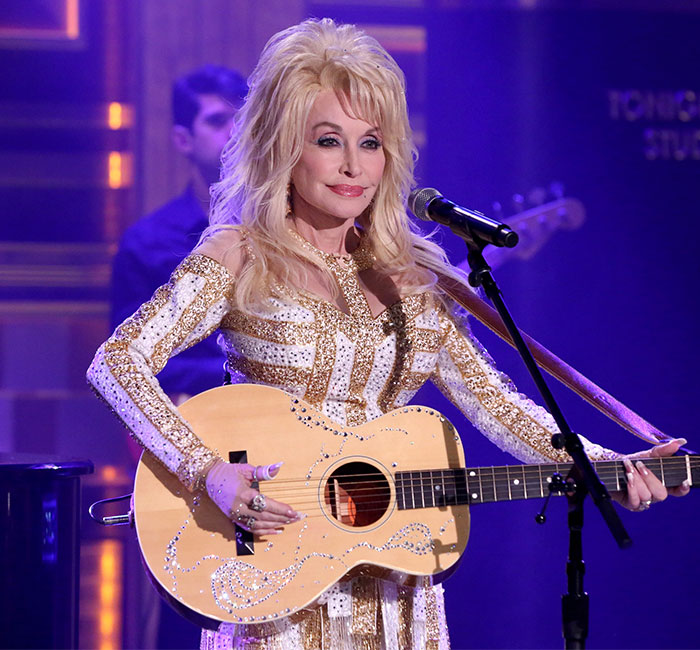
point(329, 141)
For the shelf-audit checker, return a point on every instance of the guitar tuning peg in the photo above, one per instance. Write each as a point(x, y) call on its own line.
point(556, 189)
point(518, 202)
point(497, 210)
point(537, 196)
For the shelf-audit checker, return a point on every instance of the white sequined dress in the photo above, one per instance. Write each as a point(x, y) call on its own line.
point(351, 366)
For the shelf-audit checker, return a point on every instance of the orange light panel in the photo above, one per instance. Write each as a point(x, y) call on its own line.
point(115, 173)
point(107, 592)
point(110, 593)
point(72, 18)
point(115, 116)
point(109, 473)
point(106, 623)
point(107, 564)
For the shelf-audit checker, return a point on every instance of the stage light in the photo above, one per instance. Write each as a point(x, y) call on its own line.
point(115, 116)
point(110, 593)
point(72, 19)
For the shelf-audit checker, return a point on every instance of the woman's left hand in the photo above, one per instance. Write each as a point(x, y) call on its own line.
point(643, 487)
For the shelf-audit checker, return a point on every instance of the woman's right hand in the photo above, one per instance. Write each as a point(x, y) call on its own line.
point(229, 486)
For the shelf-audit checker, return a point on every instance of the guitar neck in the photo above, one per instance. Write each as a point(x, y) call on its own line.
point(440, 487)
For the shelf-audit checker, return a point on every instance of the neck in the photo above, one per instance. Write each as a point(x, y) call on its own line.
point(335, 238)
point(200, 187)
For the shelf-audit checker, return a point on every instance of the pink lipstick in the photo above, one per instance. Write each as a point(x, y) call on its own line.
point(352, 191)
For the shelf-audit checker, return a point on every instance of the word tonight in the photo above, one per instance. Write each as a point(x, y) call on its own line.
point(636, 105)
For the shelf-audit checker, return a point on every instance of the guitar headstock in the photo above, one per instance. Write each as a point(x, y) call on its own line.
point(537, 216)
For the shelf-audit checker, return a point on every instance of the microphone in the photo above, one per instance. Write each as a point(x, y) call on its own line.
point(429, 205)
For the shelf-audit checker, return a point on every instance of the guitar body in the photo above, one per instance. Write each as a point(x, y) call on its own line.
point(342, 478)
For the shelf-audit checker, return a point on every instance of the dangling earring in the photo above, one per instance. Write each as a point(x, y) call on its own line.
point(290, 207)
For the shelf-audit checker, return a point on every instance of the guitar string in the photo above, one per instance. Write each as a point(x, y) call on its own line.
point(611, 469)
point(505, 482)
point(362, 502)
point(602, 467)
point(366, 507)
point(498, 480)
point(369, 507)
point(423, 489)
point(315, 511)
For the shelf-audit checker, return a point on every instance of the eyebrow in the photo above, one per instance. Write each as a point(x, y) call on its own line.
point(337, 127)
point(220, 112)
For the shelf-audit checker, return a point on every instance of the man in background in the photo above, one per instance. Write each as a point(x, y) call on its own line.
point(204, 103)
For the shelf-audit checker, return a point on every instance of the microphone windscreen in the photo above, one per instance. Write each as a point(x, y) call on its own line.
point(418, 201)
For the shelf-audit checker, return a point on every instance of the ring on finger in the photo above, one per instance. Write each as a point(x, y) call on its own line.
point(249, 523)
point(258, 503)
point(643, 505)
point(255, 473)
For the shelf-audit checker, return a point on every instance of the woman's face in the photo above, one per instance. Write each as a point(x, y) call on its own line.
point(341, 164)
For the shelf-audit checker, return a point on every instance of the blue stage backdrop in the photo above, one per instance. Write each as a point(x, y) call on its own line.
point(607, 103)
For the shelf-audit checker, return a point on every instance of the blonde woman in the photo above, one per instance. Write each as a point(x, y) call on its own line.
point(319, 286)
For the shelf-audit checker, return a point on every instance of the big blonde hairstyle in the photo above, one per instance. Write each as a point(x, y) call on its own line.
point(295, 66)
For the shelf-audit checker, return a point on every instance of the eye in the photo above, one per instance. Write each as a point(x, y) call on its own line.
point(371, 143)
point(327, 141)
point(219, 120)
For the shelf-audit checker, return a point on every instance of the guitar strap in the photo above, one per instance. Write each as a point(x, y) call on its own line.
point(560, 370)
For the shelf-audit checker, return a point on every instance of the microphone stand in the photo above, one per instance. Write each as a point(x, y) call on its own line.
point(582, 481)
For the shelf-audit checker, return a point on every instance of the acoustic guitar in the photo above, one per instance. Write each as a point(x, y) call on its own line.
point(389, 498)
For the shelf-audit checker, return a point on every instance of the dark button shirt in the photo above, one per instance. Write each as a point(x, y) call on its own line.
point(148, 253)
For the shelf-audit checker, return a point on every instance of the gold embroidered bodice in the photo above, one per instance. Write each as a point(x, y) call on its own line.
point(352, 366)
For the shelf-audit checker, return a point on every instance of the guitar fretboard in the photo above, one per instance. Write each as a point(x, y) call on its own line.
point(443, 487)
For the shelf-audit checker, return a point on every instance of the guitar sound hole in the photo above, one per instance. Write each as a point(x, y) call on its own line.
point(357, 494)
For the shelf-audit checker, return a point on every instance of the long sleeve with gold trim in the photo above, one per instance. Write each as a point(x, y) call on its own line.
point(466, 374)
point(352, 366)
point(180, 313)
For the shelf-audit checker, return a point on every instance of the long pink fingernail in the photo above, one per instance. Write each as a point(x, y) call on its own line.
point(630, 471)
point(273, 469)
point(642, 468)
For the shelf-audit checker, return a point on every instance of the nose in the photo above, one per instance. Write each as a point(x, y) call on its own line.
point(351, 163)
